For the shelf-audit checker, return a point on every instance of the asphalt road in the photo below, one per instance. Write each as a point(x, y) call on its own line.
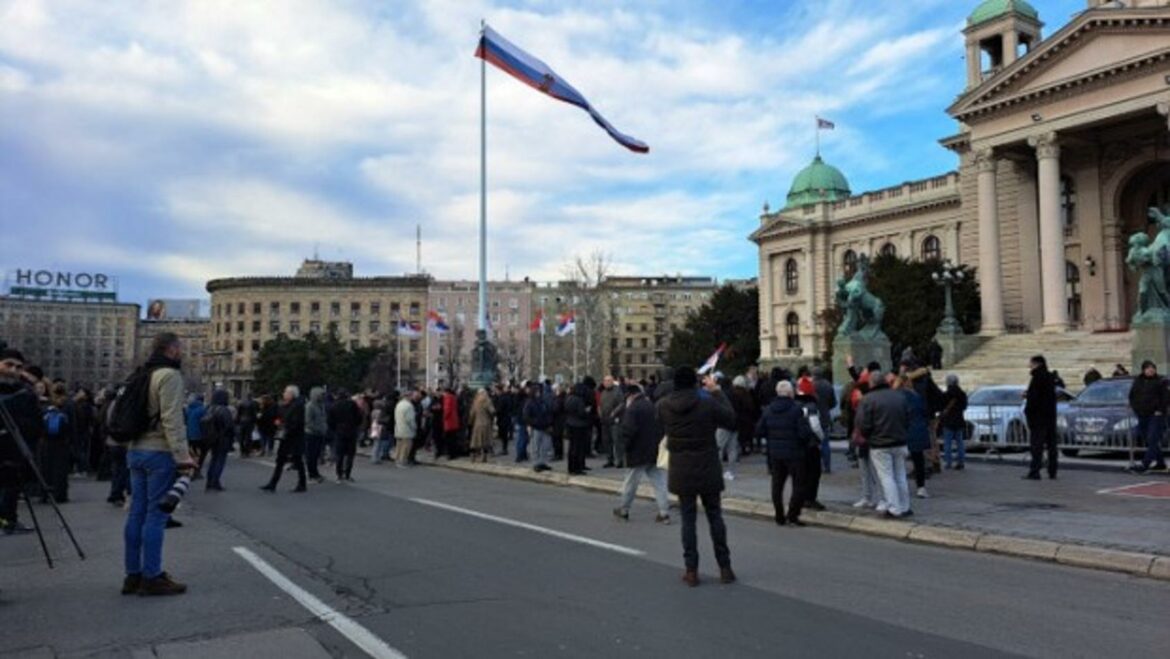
point(432, 582)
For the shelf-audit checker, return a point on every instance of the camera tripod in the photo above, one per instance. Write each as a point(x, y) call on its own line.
point(14, 432)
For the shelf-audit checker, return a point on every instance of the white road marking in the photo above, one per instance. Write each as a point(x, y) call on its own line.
point(1122, 489)
point(346, 626)
point(532, 527)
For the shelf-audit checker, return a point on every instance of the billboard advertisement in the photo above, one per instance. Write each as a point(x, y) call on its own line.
point(171, 309)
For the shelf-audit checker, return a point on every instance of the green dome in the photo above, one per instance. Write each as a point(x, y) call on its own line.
point(992, 9)
point(817, 182)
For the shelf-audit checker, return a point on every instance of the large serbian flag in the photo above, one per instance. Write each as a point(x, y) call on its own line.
point(709, 365)
point(537, 323)
point(531, 71)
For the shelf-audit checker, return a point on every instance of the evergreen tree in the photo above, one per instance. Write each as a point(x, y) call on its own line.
point(731, 316)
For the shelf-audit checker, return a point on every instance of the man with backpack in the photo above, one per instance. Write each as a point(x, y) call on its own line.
point(18, 397)
point(148, 414)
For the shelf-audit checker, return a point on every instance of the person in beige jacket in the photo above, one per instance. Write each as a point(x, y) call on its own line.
point(405, 428)
point(153, 459)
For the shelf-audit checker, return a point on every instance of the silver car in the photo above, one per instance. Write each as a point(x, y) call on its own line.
point(995, 415)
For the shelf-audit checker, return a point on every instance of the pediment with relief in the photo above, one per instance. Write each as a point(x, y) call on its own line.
point(1089, 48)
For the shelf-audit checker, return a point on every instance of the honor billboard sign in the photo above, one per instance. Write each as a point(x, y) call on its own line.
point(53, 284)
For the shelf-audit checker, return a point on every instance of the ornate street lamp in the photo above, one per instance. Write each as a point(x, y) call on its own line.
point(948, 276)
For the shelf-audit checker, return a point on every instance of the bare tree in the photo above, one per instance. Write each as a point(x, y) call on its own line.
point(585, 277)
point(513, 359)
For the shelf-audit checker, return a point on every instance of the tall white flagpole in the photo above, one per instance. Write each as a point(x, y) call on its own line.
point(427, 352)
point(482, 186)
point(542, 375)
point(574, 348)
point(399, 351)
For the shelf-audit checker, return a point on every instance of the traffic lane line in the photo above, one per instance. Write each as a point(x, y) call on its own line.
point(628, 551)
point(346, 626)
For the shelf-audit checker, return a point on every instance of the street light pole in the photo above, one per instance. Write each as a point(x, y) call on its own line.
point(947, 276)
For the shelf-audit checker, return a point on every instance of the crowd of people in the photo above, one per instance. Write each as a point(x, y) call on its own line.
point(683, 432)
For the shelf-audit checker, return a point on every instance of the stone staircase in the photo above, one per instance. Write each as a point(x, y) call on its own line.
point(1004, 359)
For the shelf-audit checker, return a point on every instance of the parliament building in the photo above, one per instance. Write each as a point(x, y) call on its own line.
point(1062, 146)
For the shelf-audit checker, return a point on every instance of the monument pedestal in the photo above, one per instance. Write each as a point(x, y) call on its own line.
point(484, 362)
point(1151, 340)
point(863, 350)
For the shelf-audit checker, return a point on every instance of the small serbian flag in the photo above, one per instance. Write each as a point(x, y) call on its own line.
point(537, 323)
point(567, 324)
point(529, 70)
point(409, 329)
point(435, 323)
point(709, 365)
point(825, 124)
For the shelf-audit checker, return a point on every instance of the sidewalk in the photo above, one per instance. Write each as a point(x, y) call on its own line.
point(986, 507)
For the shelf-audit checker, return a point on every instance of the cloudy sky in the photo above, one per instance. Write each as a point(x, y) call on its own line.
point(171, 142)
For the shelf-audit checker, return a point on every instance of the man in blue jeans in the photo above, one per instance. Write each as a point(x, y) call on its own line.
point(153, 459)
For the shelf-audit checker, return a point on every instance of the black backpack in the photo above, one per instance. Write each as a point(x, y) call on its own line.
point(129, 414)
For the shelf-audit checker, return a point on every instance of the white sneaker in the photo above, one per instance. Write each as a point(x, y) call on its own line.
point(863, 503)
point(882, 507)
point(922, 493)
point(728, 476)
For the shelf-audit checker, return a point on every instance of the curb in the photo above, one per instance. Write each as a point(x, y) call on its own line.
point(1152, 566)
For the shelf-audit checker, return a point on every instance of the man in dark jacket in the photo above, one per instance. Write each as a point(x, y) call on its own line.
point(954, 425)
point(784, 427)
point(1040, 413)
point(537, 416)
point(292, 444)
point(884, 419)
point(579, 414)
point(641, 435)
point(689, 421)
point(18, 397)
point(826, 401)
point(1149, 398)
point(344, 419)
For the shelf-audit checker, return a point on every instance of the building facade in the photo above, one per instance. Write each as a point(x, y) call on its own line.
point(197, 347)
point(86, 343)
point(246, 312)
point(1063, 146)
point(645, 312)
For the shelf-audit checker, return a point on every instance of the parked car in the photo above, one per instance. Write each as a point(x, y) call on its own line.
point(995, 415)
point(1099, 419)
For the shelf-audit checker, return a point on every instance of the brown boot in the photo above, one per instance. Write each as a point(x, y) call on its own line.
point(161, 585)
point(726, 575)
point(131, 584)
point(691, 578)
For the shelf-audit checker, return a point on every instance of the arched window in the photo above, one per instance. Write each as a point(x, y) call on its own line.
point(792, 329)
point(931, 248)
point(1072, 278)
point(889, 250)
point(791, 277)
point(849, 263)
point(1068, 203)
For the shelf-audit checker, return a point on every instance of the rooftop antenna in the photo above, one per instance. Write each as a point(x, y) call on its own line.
point(316, 251)
point(506, 273)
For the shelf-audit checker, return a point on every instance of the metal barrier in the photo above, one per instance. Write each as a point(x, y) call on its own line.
point(1003, 430)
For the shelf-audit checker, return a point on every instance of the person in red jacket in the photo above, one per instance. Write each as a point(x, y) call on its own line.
point(450, 437)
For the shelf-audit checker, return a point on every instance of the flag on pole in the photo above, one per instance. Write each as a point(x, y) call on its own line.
point(709, 365)
point(409, 329)
point(436, 324)
point(567, 324)
point(537, 323)
point(531, 71)
point(825, 124)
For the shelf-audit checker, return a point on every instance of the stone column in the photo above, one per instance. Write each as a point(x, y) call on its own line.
point(768, 329)
point(1052, 260)
point(810, 320)
point(990, 279)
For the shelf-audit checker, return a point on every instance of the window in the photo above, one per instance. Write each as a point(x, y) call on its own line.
point(256, 326)
point(645, 342)
point(355, 309)
point(792, 330)
point(375, 327)
point(395, 308)
point(629, 343)
point(355, 327)
point(849, 263)
point(931, 248)
point(314, 308)
point(240, 309)
point(375, 308)
point(256, 308)
point(889, 250)
point(255, 346)
point(240, 326)
point(294, 307)
point(791, 277)
point(1072, 276)
point(239, 346)
point(274, 327)
point(1068, 204)
point(274, 308)
point(315, 327)
point(335, 308)
point(294, 328)
point(414, 308)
